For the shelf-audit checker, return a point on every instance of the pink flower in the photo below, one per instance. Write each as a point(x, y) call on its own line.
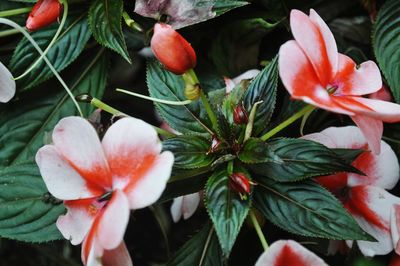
point(7, 84)
point(312, 70)
point(185, 206)
point(365, 197)
point(288, 253)
point(101, 181)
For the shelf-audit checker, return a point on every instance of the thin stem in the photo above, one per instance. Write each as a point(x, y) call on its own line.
point(14, 12)
point(258, 230)
point(287, 122)
point(36, 46)
point(391, 140)
point(6, 33)
point(131, 23)
point(55, 38)
point(155, 99)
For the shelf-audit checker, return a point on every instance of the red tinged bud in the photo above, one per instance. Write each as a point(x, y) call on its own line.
point(240, 115)
point(215, 145)
point(240, 183)
point(44, 13)
point(172, 50)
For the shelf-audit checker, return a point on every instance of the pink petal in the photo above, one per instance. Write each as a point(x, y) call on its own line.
point(316, 40)
point(382, 94)
point(133, 151)
point(117, 257)
point(185, 205)
point(353, 80)
point(372, 129)
point(77, 142)
point(61, 179)
point(371, 207)
point(113, 221)
point(287, 253)
point(395, 227)
point(76, 224)
point(7, 84)
point(92, 252)
point(300, 80)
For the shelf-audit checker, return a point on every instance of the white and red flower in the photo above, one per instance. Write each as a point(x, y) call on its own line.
point(7, 84)
point(184, 206)
point(100, 182)
point(312, 70)
point(288, 253)
point(365, 197)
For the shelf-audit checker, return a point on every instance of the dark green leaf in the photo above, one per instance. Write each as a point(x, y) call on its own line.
point(24, 215)
point(301, 159)
point(187, 119)
point(105, 23)
point(226, 209)
point(189, 151)
point(233, 99)
point(201, 250)
point(263, 88)
point(258, 151)
point(68, 47)
point(307, 209)
point(222, 6)
point(348, 155)
point(386, 41)
point(25, 123)
point(183, 186)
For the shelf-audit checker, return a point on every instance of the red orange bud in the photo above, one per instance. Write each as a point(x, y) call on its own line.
point(240, 183)
point(240, 115)
point(44, 13)
point(215, 144)
point(172, 50)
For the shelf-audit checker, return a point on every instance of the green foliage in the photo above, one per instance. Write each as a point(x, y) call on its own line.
point(258, 151)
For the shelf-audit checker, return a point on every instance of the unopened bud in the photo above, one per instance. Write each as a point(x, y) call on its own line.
point(215, 144)
point(44, 13)
point(240, 183)
point(240, 116)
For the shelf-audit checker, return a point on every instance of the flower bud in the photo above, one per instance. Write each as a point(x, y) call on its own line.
point(44, 13)
point(172, 50)
point(240, 115)
point(192, 92)
point(240, 183)
point(215, 145)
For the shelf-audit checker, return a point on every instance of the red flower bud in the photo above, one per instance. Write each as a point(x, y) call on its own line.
point(215, 144)
point(240, 115)
point(44, 13)
point(240, 183)
point(172, 50)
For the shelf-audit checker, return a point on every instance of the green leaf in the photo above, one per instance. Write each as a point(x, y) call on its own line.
point(232, 100)
point(183, 186)
point(236, 48)
point(187, 119)
point(263, 88)
point(24, 215)
point(105, 23)
point(299, 159)
point(386, 42)
point(69, 46)
point(305, 208)
point(258, 151)
point(189, 151)
point(226, 209)
point(348, 155)
point(202, 250)
point(25, 123)
point(222, 6)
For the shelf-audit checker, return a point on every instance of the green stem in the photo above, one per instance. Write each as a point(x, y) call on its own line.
point(6, 33)
point(287, 122)
point(258, 230)
point(210, 112)
point(62, 23)
point(131, 23)
point(14, 12)
point(250, 124)
point(155, 99)
point(230, 167)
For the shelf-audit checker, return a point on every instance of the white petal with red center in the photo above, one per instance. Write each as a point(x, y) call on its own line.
point(78, 143)
point(300, 80)
point(76, 223)
point(317, 42)
point(117, 257)
point(185, 206)
point(288, 253)
point(372, 129)
point(113, 221)
point(353, 80)
point(371, 207)
point(395, 227)
point(62, 181)
point(7, 84)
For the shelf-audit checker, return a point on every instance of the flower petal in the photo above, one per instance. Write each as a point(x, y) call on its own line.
point(353, 80)
point(7, 84)
point(316, 40)
point(117, 257)
point(91, 251)
point(80, 216)
point(133, 151)
point(300, 80)
point(113, 221)
point(395, 227)
point(185, 205)
point(77, 141)
point(288, 252)
point(372, 129)
point(61, 179)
